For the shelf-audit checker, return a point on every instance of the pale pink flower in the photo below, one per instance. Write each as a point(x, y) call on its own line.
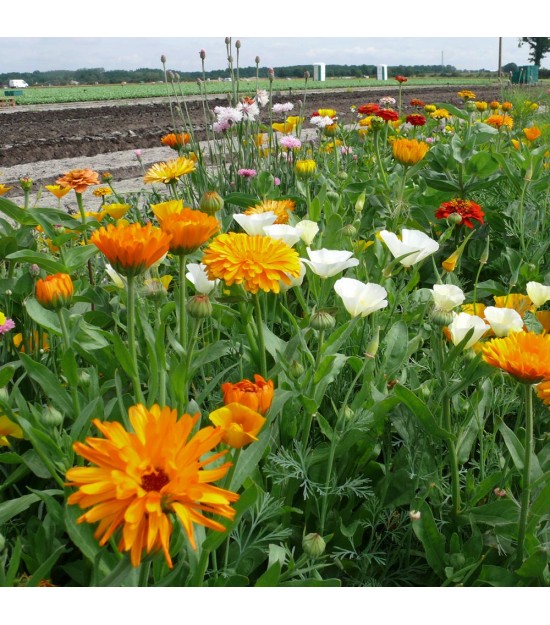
point(262, 97)
point(220, 126)
point(321, 122)
point(276, 181)
point(249, 110)
point(283, 108)
point(290, 142)
point(346, 149)
point(7, 325)
point(247, 173)
point(228, 114)
point(387, 101)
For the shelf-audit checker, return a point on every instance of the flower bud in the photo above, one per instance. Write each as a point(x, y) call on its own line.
point(322, 320)
point(163, 59)
point(454, 219)
point(349, 230)
point(211, 202)
point(415, 515)
point(54, 292)
point(441, 318)
point(296, 370)
point(51, 416)
point(257, 60)
point(202, 53)
point(26, 183)
point(199, 306)
point(377, 123)
point(372, 347)
point(230, 58)
point(34, 270)
point(227, 41)
point(84, 378)
point(271, 74)
point(238, 44)
point(471, 106)
point(313, 545)
point(4, 395)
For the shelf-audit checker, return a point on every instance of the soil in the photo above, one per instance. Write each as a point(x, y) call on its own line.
point(39, 140)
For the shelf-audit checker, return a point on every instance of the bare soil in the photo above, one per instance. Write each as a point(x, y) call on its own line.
point(34, 135)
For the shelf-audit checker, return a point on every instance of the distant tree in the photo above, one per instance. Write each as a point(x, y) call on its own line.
point(509, 67)
point(539, 47)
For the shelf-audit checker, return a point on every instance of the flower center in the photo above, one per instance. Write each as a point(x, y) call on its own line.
point(154, 480)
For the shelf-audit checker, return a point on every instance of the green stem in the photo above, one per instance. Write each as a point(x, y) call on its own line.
point(261, 339)
point(526, 492)
point(131, 329)
point(190, 348)
point(82, 215)
point(182, 298)
point(67, 343)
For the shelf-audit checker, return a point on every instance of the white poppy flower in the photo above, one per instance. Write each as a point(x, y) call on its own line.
point(294, 281)
point(308, 230)
point(361, 299)
point(254, 224)
point(538, 293)
point(503, 320)
point(283, 232)
point(462, 323)
point(199, 278)
point(118, 280)
point(447, 296)
point(326, 263)
point(416, 244)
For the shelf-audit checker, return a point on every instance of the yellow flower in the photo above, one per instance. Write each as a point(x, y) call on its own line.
point(101, 191)
point(477, 309)
point(449, 264)
point(8, 428)
point(32, 341)
point(466, 95)
point(239, 423)
point(330, 145)
point(543, 317)
point(131, 249)
point(516, 144)
point(532, 133)
point(5, 189)
point(283, 127)
point(281, 208)
point(524, 355)
point(170, 171)
point(519, 302)
point(481, 106)
point(141, 479)
point(163, 209)
point(116, 211)
point(330, 130)
point(430, 108)
point(366, 121)
point(543, 392)
point(326, 113)
point(259, 139)
point(256, 262)
point(305, 168)
point(506, 106)
point(409, 151)
point(58, 191)
point(440, 114)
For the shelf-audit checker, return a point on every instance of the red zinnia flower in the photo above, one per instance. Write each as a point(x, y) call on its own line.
point(388, 115)
point(416, 102)
point(467, 209)
point(368, 109)
point(401, 79)
point(416, 119)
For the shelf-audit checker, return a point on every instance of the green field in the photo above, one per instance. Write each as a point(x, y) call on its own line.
point(87, 93)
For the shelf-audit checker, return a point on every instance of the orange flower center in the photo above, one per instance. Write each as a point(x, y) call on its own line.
point(154, 480)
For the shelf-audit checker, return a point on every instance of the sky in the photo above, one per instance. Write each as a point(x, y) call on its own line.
point(65, 35)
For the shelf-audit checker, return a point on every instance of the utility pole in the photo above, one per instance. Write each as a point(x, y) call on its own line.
point(442, 63)
point(500, 57)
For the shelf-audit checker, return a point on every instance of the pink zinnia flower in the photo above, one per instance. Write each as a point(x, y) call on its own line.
point(276, 181)
point(247, 173)
point(5, 324)
point(290, 142)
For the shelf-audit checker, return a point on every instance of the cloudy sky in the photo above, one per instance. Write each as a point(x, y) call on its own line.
point(64, 35)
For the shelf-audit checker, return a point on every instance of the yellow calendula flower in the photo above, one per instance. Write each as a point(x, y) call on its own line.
point(430, 108)
point(481, 106)
point(466, 95)
point(170, 171)
point(519, 302)
point(305, 168)
point(101, 192)
point(409, 151)
point(281, 208)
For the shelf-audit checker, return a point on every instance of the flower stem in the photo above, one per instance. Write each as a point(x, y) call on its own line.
point(261, 339)
point(67, 343)
point(183, 296)
point(131, 329)
point(526, 493)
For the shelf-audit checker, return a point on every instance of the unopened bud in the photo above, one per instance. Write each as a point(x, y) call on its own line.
point(4, 395)
point(271, 74)
point(227, 41)
point(499, 492)
point(307, 75)
point(313, 545)
point(485, 255)
point(238, 44)
point(257, 60)
point(415, 515)
point(349, 230)
point(471, 106)
point(296, 370)
point(163, 59)
point(199, 306)
point(377, 123)
point(230, 58)
point(211, 202)
point(322, 320)
point(441, 317)
point(372, 347)
point(202, 53)
point(84, 378)
point(454, 219)
point(52, 416)
point(34, 270)
point(360, 202)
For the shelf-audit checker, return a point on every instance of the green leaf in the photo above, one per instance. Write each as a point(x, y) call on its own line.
point(517, 451)
point(395, 346)
point(44, 261)
point(430, 537)
point(421, 412)
point(77, 257)
point(243, 200)
point(271, 577)
point(49, 383)
point(534, 565)
point(45, 568)
point(501, 512)
point(312, 583)
point(47, 319)
point(82, 535)
point(20, 215)
point(6, 374)
point(122, 354)
point(338, 337)
point(13, 507)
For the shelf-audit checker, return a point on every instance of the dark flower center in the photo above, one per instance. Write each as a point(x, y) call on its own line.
point(154, 481)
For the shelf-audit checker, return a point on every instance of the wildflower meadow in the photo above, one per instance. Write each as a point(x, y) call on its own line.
point(311, 351)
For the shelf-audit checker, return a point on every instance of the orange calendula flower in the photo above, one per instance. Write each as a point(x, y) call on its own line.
point(54, 292)
point(31, 341)
point(140, 479)
point(543, 317)
point(533, 133)
point(506, 106)
point(8, 428)
point(409, 151)
point(170, 171)
point(175, 140)
point(189, 229)
point(239, 424)
point(256, 262)
point(281, 208)
point(500, 121)
point(57, 190)
point(519, 302)
point(256, 395)
point(79, 179)
point(4, 189)
point(116, 210)
point(524, 355)
point(543, 392)
point(131, 249)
